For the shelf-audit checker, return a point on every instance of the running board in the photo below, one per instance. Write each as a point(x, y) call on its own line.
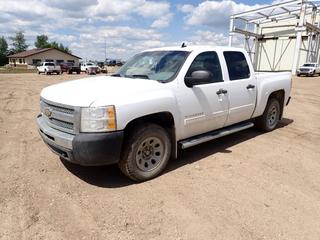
point(190, 142)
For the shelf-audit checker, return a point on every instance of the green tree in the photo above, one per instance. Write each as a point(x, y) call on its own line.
point(3, 51)
point(19, 42)
point(42, 41)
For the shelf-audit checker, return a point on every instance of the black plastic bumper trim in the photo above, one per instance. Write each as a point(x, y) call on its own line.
point(93, 149)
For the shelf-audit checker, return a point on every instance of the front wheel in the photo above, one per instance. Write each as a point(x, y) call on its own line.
point(271, 115)
point(146, 152)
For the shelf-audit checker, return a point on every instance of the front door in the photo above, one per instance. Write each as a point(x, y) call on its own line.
point(204, 107)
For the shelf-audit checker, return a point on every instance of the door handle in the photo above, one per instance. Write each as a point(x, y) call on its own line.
point(221, 91)
point(250, 86)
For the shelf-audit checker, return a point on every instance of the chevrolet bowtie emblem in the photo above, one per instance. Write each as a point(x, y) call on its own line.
point(48, 112)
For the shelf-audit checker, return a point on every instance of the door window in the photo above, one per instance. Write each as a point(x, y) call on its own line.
point(237, 65)
point(208, 61)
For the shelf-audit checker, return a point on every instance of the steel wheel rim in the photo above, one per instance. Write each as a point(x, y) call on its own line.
point(272, 116)
point(150, 154)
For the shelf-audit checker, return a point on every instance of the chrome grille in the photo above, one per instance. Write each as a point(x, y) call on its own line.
point(62, 124)
point(61, 117)
point(60, 109)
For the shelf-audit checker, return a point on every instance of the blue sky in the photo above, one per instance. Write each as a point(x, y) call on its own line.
point(127, 26)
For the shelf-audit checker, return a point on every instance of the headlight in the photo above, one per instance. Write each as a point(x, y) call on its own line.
point(98, 119)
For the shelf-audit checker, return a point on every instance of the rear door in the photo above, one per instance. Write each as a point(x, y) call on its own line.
point(242, 87)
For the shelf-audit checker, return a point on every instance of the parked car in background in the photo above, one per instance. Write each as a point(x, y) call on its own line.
point(309, 69)
point(69, 68)
point(90, 68)
point(160, 101)
point(119, 63)
point(48, 68)
point(111, 63)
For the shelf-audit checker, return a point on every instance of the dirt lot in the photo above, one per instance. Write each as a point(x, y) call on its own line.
point(245, 186)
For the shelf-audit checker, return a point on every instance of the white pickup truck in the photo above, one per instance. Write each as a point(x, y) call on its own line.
point(160, 101)
point(48, 68)
point(309, 69)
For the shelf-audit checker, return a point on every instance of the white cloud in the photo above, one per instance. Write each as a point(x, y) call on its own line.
point(84, 24)
point(121, 42)
point(211, 38)
point(153, 9)
point(213, 13)
point(162, 22)
point(186, 8)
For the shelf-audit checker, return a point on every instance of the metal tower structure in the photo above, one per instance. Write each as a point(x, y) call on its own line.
point(301, 17)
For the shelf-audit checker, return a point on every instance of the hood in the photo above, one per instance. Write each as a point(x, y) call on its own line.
point(110, 90)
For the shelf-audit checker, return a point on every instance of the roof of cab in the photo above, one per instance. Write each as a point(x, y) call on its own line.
point(195, 47)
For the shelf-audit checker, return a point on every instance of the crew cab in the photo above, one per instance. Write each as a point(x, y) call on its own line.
point(309, 69)
point(160, 101)
point(48, 68)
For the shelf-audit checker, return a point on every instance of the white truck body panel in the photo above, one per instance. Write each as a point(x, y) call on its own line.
point(195, 110)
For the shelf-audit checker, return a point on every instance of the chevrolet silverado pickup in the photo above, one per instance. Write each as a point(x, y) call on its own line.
point(160, 101)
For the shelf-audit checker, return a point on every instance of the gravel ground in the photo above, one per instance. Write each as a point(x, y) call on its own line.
point(245, 186)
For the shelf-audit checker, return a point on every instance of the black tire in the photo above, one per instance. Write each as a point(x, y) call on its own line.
point(78, 72)
point(271, 116)
point(146, 152)
point(39, 72)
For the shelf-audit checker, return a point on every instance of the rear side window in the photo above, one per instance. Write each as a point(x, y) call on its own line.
point(237, 65)
point(208, 61)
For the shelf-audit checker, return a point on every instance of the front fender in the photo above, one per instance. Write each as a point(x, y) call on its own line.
point(146, 104)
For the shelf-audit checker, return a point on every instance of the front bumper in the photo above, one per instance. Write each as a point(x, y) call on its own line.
point(305, 73)
point(87, 149)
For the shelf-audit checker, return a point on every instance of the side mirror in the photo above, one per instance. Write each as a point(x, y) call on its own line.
point(198, 77)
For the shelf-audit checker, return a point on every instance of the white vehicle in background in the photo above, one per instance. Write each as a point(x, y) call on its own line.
point(48, 68)
point(90, 68)
point(160, 101)
point(309, 69)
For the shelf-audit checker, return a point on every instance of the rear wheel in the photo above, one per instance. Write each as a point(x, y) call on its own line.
point(271, 115)
point(146, 152)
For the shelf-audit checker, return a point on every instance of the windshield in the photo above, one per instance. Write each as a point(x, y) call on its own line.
point(157, 65)
point(49, 64)
point(308, 65)
point(90, 64)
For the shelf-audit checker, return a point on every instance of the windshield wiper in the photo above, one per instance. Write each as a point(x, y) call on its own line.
point(137, 76)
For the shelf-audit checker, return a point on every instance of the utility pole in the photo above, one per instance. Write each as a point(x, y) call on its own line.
point(105, 49)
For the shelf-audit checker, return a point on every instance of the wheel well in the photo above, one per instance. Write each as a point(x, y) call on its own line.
point(279, 95)
point(164, 119)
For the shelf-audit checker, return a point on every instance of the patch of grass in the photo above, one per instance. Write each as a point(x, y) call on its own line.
point(17, 70)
